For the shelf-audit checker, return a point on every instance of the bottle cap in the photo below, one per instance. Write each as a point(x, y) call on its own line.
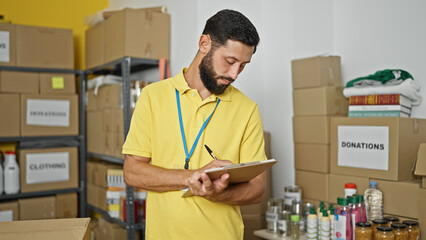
point(342, 201)
point(373, 183)
point(384, 228)
point(398, 225)
point(312, 211)
point(353, 199)
point(360, 198)
point(325, 214)
point(391, 219)
point(332, 211)
point(330, 206)
point(350, 185)
point(10, 153)
point(295, 218)
point(380, 221)
point(363, 224)
point(321, 204)
point(410, 223)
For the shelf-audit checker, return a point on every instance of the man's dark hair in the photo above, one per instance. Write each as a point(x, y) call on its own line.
point(231, 25)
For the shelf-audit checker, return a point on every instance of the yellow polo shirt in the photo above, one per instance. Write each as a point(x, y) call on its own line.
point(234, 133)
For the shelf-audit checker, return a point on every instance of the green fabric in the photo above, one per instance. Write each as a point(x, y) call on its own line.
point(382, 76)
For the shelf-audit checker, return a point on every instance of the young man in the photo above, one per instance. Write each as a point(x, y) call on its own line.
point(175, 118)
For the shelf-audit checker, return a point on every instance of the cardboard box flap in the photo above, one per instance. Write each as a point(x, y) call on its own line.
point(421, 161)
point(161, 9)
point(73, 228)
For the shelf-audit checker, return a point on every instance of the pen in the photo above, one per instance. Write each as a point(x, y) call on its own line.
point(210, 152)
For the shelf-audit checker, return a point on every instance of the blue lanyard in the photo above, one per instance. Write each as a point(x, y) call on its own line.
point(188, 155)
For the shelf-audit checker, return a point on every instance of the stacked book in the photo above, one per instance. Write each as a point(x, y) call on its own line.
point(385, 105)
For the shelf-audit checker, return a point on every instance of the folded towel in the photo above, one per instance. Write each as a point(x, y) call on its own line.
point(96, 82)
point(408, 88)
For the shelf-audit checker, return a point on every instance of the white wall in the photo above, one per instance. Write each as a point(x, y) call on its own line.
point(368, 35)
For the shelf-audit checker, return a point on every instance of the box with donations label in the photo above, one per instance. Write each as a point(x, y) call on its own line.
point(383, 148)
point(49, 115)
point(7, 44)
point(48, 169)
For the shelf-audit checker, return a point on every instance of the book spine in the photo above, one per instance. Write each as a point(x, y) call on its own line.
point(377, 108)
point(384, 99)
point(376, 114)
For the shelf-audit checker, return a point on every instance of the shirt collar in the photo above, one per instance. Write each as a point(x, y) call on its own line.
point(182, 86)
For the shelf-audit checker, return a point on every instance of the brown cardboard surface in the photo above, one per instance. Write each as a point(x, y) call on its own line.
point(119, 146)
point(95, 45)
point(92, 197)
point(336, 185)
point(316, 72)
point(422, 211)
point(52, 229)
point(44, 47)
point(10, 106)
point(311, 129)
point(19, 82)
point(161, 9)
point(90, 171)
point(423, 182)
point(315, 185)
point(109, 96)
point(421, 161)
point(405, 136)
point(95, 135)
point(110, 143)
point(137, 33)
point(400, 198)
point(10, 206)
point(251, 224)
point(96, 196)
point(91, 104)
point(67, 205)
point(73, 170)
point(312, 157)
point(100, 173)
point(47, 86)
point(320, 101)
point(112, 231)
point(11, 28)
point(32, 130)
point(37, 208)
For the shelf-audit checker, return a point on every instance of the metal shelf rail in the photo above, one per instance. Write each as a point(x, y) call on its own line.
point(79, 140)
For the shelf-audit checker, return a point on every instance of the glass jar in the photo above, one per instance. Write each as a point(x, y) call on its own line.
point(378, 223)
point(384, 233)
point(391, 220)
point(400, 231)
point(295, 226)
point(274, 208)
point(413, 229)
point(284, 223)
point(363, 231)
point(291, 193)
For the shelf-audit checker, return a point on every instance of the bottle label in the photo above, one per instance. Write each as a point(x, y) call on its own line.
point(271, 217)
point(353, 216)
point(290, 196)
point(340, 227)
point(282, 225)
point(324, 230)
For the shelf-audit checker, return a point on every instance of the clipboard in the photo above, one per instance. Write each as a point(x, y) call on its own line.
point(238, 173)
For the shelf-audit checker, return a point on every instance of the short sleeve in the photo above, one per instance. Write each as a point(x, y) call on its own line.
point(253, 144)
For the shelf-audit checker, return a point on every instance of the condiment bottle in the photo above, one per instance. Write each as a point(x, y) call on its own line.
point(413, 229)
point(363, 231)
point(378, 223)
point(384, 233)
point(400, 231)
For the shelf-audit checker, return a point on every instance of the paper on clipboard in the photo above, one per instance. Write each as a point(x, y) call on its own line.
point(238, 173)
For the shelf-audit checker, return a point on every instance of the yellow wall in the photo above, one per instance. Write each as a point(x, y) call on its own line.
point(55, 13)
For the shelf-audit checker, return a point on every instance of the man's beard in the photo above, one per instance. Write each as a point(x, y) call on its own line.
point(208, 75)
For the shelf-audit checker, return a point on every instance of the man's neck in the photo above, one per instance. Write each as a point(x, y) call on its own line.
point(192, 77)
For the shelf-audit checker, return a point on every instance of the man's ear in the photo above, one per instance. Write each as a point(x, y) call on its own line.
point(205, 43)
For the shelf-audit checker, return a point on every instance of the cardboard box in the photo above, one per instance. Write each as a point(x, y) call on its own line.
point(251, 224)
point(91, 103)
point(311, 129)
point(383, 148)
point(422, 210)
point(336, 185)
point(57, 83)
point(95, 45)
point(315, 185)
point(49, 115)
point(119, 146)
point(100, 173)
point(10, 106)
point(37, 208)
point(67, 205)
point(424, 182)
point(9, 211)
point(75, 229)
point(420, 169)
point(44, 47)
point(90, 171)
point(96, 196)
point(400, 198)
point(8, 40)
point(95, 134)
point(109, 96)
point(320, 101)
point(48, 168)
point(137, 33)
point(92, 197)
point(19, 82)
point(312, 157)
point(317, 71)
point(111, 231)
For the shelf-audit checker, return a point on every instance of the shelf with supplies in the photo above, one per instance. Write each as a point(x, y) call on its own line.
point(97, 122)
point(29, 139)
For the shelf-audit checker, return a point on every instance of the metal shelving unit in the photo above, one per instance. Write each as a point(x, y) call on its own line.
point(57, 141)
point(123, 67)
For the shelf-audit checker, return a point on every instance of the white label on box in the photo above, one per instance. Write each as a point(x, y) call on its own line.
point(47, 167)
point(363, 147)
point(6, 216)
point(53, 113)
point(4, 46)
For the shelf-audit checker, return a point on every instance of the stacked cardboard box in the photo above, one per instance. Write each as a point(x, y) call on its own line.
point(317, 96)
point(142, 33)
point(105, 230)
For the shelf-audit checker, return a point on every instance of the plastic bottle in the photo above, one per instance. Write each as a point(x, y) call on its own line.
point(342, 221)
point(355, 215)
point(324, 227)
point(1, 175)
point(312, 229)
point(373, 202)
point(350, 189)
point(11, 173)
point(361, 207)
point(331, 216)
point(295, 226)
